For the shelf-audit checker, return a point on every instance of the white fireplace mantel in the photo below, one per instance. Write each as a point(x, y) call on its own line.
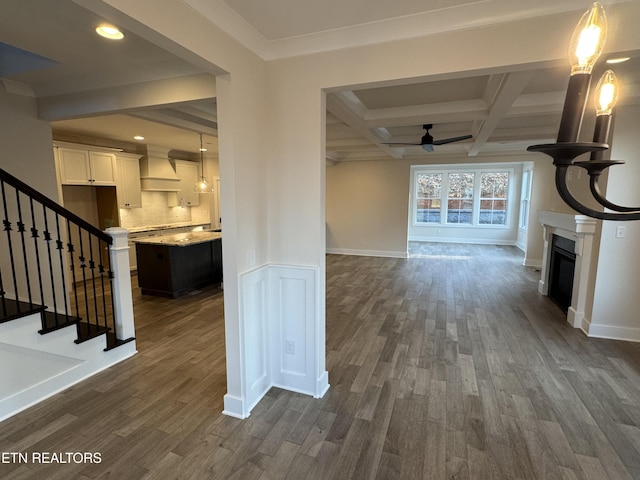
point(580, 229)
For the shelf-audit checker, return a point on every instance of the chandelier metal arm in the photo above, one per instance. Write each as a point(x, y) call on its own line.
point(597, 194)
point(564, 154)
point(569, 199)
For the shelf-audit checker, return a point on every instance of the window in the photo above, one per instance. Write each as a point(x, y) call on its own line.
point(428, 188)
point(464, 196)
point(525, 198)
point(493, 198)
point(460, 198)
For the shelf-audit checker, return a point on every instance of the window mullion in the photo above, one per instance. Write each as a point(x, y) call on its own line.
point(444, 198)
point(475, 218)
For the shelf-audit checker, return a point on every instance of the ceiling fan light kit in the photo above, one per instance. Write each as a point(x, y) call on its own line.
point(585, 47)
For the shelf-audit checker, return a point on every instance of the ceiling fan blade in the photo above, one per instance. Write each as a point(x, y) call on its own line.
point(401, 143)
point(451, 140)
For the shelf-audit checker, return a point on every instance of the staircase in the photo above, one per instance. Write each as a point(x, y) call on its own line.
point(65, 297)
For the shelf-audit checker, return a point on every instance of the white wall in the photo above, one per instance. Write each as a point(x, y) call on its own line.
point(27, 154)
point(367, 206)
point(616, 302)
point(27, 145)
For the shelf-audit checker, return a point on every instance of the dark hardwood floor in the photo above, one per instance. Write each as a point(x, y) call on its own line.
point(446, 365)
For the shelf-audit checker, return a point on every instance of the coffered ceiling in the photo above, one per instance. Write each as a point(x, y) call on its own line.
point(49, 48)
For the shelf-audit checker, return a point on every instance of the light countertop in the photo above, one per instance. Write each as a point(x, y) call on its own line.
point(181, 239)
point(155, 228)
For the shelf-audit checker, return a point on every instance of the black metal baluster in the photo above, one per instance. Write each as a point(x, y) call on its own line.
point(83, 266)
point(21, 230)
point(92, 269)
point(47, 238)
point(7, 228)
point(101, 272)
point(60, 248)
point(2, 292)
point(71, 249)
point(3, 300)
point(35, 236)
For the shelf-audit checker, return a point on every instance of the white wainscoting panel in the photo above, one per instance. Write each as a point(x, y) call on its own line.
point(254, 311)
point(282, 341)
point(294, 326)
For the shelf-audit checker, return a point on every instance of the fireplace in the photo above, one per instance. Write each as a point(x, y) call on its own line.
point(567, 263)
point(562, 266)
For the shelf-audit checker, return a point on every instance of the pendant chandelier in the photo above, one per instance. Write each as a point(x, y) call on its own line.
point(202, 185)
point(586, 45)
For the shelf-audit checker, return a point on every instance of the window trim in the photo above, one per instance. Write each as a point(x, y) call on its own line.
point(476, 170)
point(525, 198)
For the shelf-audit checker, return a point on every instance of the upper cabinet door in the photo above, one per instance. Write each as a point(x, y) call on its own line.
point(74, 166)
point(187, 172)
point(83, 167)
point(103, 168)
point(128, 187)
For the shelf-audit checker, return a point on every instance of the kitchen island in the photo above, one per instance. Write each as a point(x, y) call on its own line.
point(174, 265)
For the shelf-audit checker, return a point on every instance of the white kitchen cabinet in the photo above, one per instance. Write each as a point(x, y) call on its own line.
point(128, 181)
point(86, 167)
point(187, 172)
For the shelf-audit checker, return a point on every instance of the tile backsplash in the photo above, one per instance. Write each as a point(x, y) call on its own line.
point(154, 211)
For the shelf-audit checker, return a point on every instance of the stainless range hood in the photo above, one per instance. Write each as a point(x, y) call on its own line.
point(156, 172)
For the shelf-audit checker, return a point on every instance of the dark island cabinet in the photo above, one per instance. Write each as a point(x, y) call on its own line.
point(169, 270)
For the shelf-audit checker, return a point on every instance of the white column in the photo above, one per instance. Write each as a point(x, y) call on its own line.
point(122, 299)
point(579, 297)
point(543, 284)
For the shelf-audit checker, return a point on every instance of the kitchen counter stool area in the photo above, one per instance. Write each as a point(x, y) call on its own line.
point(172, 267)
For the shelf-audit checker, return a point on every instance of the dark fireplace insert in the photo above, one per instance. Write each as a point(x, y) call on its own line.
point(562, 266)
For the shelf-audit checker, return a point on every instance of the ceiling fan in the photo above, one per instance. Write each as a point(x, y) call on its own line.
point(427, 142)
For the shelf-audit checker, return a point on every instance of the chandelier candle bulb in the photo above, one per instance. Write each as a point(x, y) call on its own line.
point(585, 47)
point(606, 96)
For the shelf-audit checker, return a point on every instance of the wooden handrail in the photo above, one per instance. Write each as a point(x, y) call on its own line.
point(51, 205)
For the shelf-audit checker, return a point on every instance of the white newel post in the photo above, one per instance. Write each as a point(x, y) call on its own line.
point(122, 299)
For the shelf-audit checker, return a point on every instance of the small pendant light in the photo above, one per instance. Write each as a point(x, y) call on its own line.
point(202, 185)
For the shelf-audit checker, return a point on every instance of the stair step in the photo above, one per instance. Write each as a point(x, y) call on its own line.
point(13, 309)
point(52, 322)
point(87, 331)
point(113, 342)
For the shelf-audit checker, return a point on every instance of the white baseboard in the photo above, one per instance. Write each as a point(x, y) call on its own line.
point(532, 262)
point(473, 241)
point(611, 332)
point(234, 407)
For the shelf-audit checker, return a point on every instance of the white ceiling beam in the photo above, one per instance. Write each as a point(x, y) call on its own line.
point(462, 111)
point(493, 88)
point(206, 110)
point(537, 104)
point(348, 108)
point(169, 118)
point(124, 98)
point(511, 88)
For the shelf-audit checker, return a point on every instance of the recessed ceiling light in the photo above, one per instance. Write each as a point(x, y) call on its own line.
point(109, 31)
point(138, 137)
point(618, 60)
point(203, 149)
